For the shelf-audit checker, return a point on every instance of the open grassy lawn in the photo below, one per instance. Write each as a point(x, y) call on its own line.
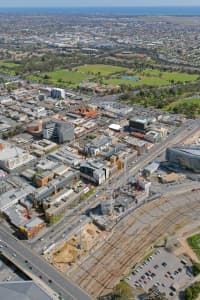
point(77, 75)
point(103, 70)
point(188, 106)
point(152, 78)
point(188, 101)
point(151, 81)
point(194, 242)
point(176, 76)
point(66, 76)
point(60, 78)
point(114, 75)
point(8, 65)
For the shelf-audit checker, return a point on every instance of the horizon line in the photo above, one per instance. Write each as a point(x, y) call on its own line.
point(107, 6)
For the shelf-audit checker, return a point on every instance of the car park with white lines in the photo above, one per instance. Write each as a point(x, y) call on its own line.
point(162, 270)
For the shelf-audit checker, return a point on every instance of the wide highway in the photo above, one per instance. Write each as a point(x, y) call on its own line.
point(71, 222)
point(27, 259)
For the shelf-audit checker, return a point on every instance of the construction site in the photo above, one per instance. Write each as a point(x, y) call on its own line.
point(117, 203)
point(70, 252)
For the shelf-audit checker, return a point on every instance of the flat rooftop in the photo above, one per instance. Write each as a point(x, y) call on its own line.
point(193, 151)
point(9, 152)
point(34, 222)
point(22, 290)
point(100, 141)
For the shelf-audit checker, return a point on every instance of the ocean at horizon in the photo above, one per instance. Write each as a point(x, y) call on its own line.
point(172, 11)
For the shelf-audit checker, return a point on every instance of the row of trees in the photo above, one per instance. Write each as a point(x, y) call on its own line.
point(49, 62)
point(162, 97)
point(189, 109)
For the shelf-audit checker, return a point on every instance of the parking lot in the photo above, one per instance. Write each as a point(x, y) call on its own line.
point(163, 270)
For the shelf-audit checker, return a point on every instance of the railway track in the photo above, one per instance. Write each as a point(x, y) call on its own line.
point(100, 272)
point(135, 253)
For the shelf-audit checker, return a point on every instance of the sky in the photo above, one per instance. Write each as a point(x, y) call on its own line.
point(98, 3)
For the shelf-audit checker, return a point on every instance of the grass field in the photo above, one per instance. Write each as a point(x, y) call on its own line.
point(153, 78)
point(188, 106)
point(188, 101)
point(103, 70)
point(176, 76)
point(8, 65)
point(77, 75)
point(66, 76)
point(60, 78)
point(151, 81)
point(194, 242)
point(112, 75)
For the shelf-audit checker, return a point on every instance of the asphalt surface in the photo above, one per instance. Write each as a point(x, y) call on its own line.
point(161, 269)
point(27, 259)
point(49, 274)
point(71, 222)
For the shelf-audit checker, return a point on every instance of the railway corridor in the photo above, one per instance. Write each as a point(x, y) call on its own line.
point(131, 239)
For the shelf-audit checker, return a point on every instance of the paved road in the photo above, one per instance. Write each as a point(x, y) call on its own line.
point(39, 267)
point(71, 222)
point(177, 137)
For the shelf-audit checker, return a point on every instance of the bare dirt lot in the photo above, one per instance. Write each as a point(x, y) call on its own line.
point(77, 246)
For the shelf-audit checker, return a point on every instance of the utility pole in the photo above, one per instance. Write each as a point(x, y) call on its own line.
point(126, 173)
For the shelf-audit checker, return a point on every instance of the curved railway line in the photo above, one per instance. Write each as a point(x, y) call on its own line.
point(123, 249)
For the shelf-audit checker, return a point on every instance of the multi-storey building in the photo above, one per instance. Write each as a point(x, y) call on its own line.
point(58, 131)
point(94, 172)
